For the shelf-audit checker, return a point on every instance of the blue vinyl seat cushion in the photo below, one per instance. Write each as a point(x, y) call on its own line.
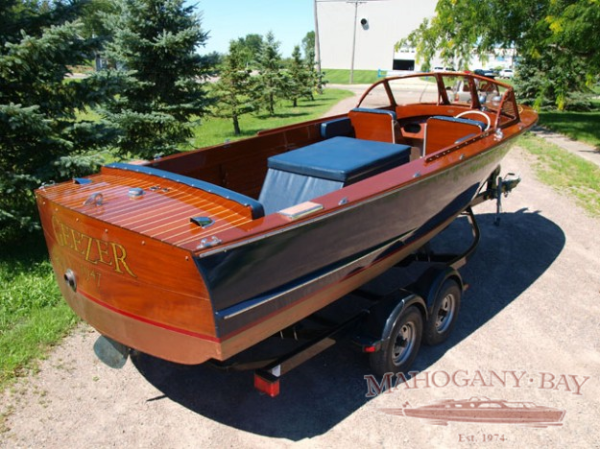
point(464, 121)
point(337, 127)
point(342, 159)
point(392, 114)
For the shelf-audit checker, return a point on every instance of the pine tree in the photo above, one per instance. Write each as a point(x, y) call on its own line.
point(155, 42)
point(271, 81)
point(316, 80)
point(40, 139)
point(233, 90)
point(299, 82)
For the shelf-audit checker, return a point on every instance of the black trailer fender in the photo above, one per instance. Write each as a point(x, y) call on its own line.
point(377, 326)
point(429, 283)
point(393, 330)
point(422, 294)
point(441, 287)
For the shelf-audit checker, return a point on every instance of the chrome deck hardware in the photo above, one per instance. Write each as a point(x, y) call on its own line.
point(209, 243)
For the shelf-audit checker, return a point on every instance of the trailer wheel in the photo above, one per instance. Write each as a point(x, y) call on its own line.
point(400, 350)
point(444, 314)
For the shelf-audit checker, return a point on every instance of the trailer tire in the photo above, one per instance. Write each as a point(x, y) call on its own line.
point(399, 351)
point(444, 314)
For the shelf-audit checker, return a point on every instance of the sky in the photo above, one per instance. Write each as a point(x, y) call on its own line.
point(225, 20)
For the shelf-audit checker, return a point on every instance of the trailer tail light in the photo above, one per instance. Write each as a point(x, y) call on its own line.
point(366, 344)
point(266, 383)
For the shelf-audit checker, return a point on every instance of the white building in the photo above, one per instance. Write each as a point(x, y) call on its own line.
point(378, 24)
point(363, 34)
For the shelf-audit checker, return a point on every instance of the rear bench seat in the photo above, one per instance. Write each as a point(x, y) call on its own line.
point(326, 166)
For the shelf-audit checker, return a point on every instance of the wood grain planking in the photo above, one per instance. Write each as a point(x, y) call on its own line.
point(142, 279)
point(177, 235)
point(183, 220)
point(163, 215)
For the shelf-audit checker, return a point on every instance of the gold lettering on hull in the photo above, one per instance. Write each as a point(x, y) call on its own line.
point(93, 250)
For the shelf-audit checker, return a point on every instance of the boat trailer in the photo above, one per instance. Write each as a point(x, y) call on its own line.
point(391, 328)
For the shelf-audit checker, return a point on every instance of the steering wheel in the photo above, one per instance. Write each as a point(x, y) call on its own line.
point(474, 111)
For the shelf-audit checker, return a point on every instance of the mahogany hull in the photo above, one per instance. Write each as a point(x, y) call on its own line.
point(291, 265)
point(135, 290)
point(153, 297)
point(142, 271)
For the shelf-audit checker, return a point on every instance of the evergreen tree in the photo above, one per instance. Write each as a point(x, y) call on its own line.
point(233, 90)
point(298, 84)
point(40, 139)
point(92, 16)
point(547, 81)
point(315, 79)
point(156, 42)
point(271, 81)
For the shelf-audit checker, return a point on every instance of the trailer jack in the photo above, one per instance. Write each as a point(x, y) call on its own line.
point(505, 186)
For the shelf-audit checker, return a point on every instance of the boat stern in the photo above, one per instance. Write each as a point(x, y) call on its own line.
point(142, 292)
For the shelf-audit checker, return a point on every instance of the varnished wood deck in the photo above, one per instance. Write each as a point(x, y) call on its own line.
point(163, 212)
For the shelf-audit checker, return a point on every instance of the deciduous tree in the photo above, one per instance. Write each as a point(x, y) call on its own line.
point(554, 36)
point(250, 47)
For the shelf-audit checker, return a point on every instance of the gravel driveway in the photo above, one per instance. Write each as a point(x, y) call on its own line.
point(529, 330)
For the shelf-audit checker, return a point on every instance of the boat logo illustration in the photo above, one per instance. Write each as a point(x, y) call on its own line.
point(482, 410)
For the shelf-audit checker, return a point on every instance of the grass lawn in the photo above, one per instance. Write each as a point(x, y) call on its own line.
point(33, 315)
point(342, 76)
point(583, 126)
point(213, 131)
point(565, 172)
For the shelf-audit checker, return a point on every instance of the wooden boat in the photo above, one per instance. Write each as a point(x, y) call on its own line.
point(484, 410)
point(203, 254)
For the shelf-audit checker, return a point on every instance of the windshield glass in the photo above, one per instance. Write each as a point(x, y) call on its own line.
point(455, 89)
point(403, 91)
point(422, 89)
